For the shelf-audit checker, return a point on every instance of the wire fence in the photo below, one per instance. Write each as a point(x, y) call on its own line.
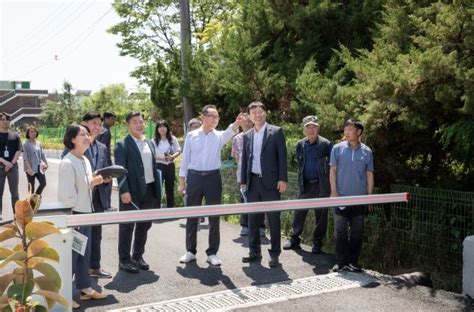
point(426, 235)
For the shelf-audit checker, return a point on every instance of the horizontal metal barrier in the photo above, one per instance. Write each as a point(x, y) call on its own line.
point(221, 210)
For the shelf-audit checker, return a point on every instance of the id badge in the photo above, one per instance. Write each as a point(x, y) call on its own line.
point(6, 153)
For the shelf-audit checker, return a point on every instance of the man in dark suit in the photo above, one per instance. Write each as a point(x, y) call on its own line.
point(264, 177)
point(140, 189)
point(105, 137)
point(97, 155)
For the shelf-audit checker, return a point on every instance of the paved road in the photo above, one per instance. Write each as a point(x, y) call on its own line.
point(168, 279)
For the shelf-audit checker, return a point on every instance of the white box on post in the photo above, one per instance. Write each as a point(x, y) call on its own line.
point(468, 266)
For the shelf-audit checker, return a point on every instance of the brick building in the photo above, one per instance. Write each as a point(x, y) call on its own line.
point(21, 102)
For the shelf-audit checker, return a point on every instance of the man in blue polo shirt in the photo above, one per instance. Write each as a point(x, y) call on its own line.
point(352, 168)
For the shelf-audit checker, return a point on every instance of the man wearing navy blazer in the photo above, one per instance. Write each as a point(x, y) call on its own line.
point(140, 189)
point(264, 177)
point(97, 155)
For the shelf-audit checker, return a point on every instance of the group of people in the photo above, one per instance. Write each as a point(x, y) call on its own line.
point(35, 162)
point(260, 151)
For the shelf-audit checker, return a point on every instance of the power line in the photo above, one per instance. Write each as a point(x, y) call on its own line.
point(88, 33)
point(43, 42)
point(38, 28)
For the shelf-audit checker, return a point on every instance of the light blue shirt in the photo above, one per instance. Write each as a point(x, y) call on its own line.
point(352, 166)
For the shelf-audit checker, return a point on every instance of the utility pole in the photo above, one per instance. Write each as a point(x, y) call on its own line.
point(185, 53)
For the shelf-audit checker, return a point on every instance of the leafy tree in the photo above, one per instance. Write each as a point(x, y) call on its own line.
point(117, 99)
point(412, 89)
point(63, 111)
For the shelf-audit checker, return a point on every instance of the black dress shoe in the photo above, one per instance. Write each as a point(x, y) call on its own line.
point(99, 273)
point(128, 267)
point(291, 245)
point(252, 258)
point(141, 264)
point(273, 263)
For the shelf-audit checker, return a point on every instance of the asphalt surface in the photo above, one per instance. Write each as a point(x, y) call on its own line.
point(168, 279)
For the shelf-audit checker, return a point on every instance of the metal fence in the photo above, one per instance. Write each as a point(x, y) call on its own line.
point(426, 235)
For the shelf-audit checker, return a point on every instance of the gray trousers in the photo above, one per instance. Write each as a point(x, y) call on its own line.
point(199, 187)
point(12, 176)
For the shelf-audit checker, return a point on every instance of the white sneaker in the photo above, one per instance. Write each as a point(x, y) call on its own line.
point(214, 260)
point(188, 257)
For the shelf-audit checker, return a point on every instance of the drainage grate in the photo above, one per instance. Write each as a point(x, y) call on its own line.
point(259, 295)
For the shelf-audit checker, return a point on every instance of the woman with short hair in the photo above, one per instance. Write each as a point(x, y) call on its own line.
point(76, 182)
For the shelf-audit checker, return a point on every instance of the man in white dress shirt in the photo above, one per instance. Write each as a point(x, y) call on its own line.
point(199, 177)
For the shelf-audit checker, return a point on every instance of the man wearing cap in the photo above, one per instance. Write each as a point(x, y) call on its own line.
point(312, 153)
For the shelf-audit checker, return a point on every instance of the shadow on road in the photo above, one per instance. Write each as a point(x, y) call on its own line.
point(263, 275)
point(322, 262)
point(209, 276)
point(125, 282)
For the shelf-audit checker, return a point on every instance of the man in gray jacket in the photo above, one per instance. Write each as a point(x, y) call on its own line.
point(312, 153)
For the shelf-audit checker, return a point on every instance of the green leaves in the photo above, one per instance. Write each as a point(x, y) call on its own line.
point(48, 270)
point(7, 234)
point(52, 297)
point(36, 230)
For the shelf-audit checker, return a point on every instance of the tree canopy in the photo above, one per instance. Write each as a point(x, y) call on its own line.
point(405, 68)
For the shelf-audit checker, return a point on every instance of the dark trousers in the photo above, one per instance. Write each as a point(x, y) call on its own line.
point(140, 230)
point(13, 180)
point(200, 187)
point(41, 179)
point(244, 218)
point(96, 233)
point(311, 190)
point(349, 230)
point(257, 192)
point(168, 177)
point(81, 264)
point(108, 192)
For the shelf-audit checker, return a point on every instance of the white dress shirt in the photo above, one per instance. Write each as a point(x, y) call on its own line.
point(202, 152)
point(165, 148)
point(147, 159)
point(257, 149)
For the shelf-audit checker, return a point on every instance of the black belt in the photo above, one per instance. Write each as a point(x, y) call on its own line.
point(311, 181)
point(203, 173)
point(258, 175)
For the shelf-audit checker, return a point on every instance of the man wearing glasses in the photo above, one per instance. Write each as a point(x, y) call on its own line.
point(199, 177)
point(10, 151)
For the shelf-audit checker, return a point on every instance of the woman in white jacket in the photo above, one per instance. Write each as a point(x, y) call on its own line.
point(75, 190)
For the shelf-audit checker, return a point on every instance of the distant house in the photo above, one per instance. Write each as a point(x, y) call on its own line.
point(22, 103)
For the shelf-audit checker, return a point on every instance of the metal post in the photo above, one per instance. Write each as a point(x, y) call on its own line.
point(185, 53)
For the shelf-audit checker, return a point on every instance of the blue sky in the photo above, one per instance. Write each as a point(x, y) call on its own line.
point(47, 42)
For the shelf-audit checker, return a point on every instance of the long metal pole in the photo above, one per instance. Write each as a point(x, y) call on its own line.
point(185, 53)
